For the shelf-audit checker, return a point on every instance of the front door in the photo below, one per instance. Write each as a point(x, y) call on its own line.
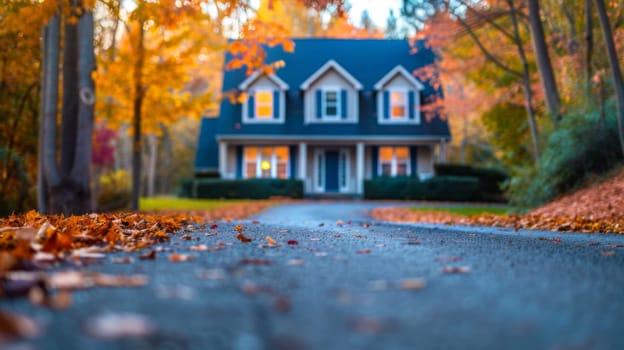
point(331, 171)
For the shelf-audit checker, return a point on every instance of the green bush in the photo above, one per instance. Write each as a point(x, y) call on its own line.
point(438, 188)
point(114, 191)
point(246, 189)
point(186, 188)
point(490, 180)
point(582, 144)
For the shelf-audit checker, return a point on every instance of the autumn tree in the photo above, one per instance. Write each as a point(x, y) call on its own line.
point(20, 61)
point(65, 188)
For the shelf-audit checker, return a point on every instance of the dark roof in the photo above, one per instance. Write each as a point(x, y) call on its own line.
point(368, 60)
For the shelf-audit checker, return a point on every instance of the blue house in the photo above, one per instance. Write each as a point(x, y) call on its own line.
point(340, 111)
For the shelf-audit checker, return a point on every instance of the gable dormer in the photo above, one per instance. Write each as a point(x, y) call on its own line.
point(266, 99)
point(398, 97)
point(331, 95)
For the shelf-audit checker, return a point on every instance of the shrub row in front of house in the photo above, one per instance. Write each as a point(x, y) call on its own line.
point(490, 180)
point(242, 189)
point(438, 188)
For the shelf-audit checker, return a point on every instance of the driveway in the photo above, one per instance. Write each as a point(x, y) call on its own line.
point(337, 280)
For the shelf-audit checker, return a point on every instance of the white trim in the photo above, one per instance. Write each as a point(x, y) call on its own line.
point(320, 167)
point(319, 171)
point(394, 163)
point(324, 116)
point(392, 73)
point(372, 139)
point(359, 167)
point(406, 106)
point(331, 64)
point(405, 120)
point(258, 74)
point(273, 160)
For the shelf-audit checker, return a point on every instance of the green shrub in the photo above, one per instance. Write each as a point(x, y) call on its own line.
point(438, 188)
point(581, 145)
point(247, 189)
point(186, 188)
point(490, 180)
point(114, 191)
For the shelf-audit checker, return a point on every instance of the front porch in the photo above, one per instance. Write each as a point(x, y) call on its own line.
point(328, 167)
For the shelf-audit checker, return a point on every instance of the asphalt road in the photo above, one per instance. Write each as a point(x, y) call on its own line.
point(355, 286)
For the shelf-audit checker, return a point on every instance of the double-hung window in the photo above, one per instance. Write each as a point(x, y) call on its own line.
point(398, 105)
point(394, 161)
point(265, 162)
point(264, 104)
point(331, 103)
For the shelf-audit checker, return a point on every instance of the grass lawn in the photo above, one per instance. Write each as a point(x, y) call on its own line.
point(174, 203)
point(466, 210)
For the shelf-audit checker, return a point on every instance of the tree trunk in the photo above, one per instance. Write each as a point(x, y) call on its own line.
point(542, 57)
point(138, 104)
point(50, 108)
point(42, 198)
point(589, 44)
point(69, 125)
point(152, 154)
point(81, 169)
point(528, 95)
point(615, 67)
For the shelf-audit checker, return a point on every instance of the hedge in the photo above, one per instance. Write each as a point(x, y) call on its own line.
point(490, 180)
point(438, 188)
point(242, 189)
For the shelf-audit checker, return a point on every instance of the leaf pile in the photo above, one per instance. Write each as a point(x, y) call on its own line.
point(596, 208)
point(35, 237)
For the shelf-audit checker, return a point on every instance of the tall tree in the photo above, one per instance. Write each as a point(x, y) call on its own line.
point(547, 76)
point(392, 29)
point(614, 63)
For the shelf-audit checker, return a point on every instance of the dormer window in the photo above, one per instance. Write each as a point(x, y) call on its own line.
point(398, 97)
point(266, 99)
point(331, 103)
point(264, 104)
point(398, 104)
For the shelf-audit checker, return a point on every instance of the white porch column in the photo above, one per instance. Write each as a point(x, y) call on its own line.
point(302, 170)
point(359, 167)
point(223, 160)
point(442, 158)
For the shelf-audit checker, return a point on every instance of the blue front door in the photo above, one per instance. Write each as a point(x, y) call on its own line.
point(331, 171)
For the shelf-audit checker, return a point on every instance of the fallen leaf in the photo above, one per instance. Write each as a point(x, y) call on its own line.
point(315, 239)
point(282, 304)
point(456, 269)
point(607, 252)
point(292, 242)
point(26, 233)
point(122, 260)
point(255, 222)
point(175, 257)
point(416, 242)
point(366, 225)
point(339, 223)
point(448, 259)
point(14, 327)
point(363, 251)
point(295, 262)
point(270, 240)
point(70, 280)
point(256, 262)
point(199, 248)
point(412, 283)
point(214, 226)
point(149, 255)
point(106, 280)
point(116, 326)
point(321, 224)
point(241, 237)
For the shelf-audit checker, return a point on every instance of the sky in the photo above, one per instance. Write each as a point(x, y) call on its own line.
point(377, 9)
